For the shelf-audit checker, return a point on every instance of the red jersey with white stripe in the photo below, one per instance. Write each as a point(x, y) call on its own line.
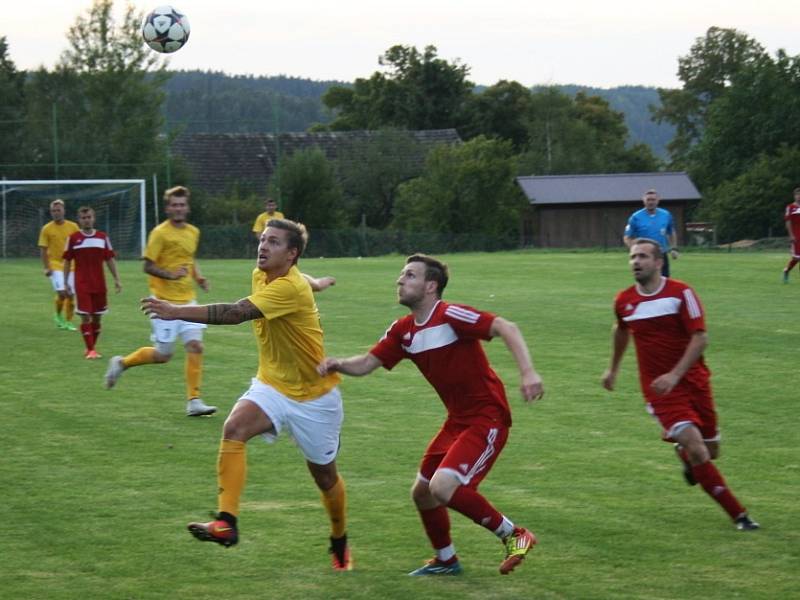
point(88, 253)
point(662, 324)
point(447, 350)
point(792, 214)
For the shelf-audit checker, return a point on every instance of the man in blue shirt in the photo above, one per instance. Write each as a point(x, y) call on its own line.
point(656, 224)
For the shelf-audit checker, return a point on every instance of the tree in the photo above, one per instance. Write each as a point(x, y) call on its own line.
point(419, 91)
point(759, 113)
point(468, 188)
point(706, 72)
point(372, 171)
point(751, 204)
point(311, 194)
point(500, 111)
point(104, 99)
point(579, 135)
point(12, 110)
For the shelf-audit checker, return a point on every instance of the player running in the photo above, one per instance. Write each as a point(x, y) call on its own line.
point(668, 326)
point(443, 340)
point(792, 218)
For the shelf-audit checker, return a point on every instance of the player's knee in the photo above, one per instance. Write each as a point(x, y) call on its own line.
point(194, 346)
point(443, 486)
point(161, 357)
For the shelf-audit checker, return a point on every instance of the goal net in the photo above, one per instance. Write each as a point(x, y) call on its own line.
point(119, 205)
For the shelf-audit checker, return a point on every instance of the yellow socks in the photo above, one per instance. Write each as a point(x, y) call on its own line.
point(335, 502)
point(193, 369)
point(231, 474)
point(69, 309)
point(59, 302)
point(142, 356)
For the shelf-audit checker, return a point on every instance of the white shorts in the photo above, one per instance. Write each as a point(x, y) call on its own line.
point(314, 424)
point(57, 280)
point(166, 332)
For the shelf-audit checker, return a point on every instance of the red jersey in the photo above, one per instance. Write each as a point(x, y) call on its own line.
point(792, 215)
point(447, 350)
point(88, 253)
point(662, 324)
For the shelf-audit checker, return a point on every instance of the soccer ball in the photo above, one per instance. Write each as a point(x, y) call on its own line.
point(165, 29)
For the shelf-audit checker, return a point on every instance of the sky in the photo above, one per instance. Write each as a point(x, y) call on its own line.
point(593, 43)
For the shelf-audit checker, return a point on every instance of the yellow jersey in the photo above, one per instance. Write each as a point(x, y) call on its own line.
point(261, 220)
point(170, 248)
point(289, 336)
point(54, 237)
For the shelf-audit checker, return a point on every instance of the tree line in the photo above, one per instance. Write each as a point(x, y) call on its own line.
point(103, 111)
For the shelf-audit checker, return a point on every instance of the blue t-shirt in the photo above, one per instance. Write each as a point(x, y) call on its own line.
point(656, 226)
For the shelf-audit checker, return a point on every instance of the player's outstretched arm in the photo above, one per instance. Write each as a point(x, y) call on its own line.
point(355, 365)
point(319, 283)
point(620, 337)
point(213, 314)
point(531, 383)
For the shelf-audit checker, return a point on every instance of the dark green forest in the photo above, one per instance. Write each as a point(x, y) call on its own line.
point(215, 102)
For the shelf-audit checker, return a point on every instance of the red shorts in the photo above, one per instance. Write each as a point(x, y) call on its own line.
point(686, 404)
point(795, 248)
point(90, 303)
point(466, 450)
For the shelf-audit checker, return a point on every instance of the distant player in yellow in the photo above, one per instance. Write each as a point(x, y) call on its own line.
point(270, 212)
point(52, 242)
point(169, 260)
point(287, 394)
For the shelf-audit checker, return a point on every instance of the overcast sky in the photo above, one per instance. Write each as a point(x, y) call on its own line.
point(589, 42)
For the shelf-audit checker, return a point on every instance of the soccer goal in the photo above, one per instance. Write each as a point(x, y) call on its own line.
point(119, 205)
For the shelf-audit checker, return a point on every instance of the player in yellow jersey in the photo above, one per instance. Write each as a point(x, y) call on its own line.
point(270, 212)
point(287, 394)
point(169, 260)
point(52, 242)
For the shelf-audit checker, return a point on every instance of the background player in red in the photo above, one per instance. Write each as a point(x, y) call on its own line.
point(443, 340)
point(668, 326)
point(89, 249)
point(792, 218)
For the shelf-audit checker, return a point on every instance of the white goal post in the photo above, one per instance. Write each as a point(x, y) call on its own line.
point(50, 189)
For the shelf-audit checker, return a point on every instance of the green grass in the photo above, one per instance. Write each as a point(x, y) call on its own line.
point(98, 485)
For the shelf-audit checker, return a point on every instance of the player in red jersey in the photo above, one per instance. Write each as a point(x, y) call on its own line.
point(443, 340)
point(89, 249)
point(668, 326)
point(792, 218)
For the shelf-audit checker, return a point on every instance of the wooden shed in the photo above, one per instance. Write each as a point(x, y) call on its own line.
point(574, 211)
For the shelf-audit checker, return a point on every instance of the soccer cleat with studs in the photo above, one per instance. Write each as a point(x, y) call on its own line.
point(340, 554)
point(218, 531)
point(745, 523)
point(197, 408)
point(436, 567)
point(518, 544)
point(92, 355)
point(114, 371)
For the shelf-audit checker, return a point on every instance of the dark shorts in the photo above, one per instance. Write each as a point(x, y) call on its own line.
point(90, 303)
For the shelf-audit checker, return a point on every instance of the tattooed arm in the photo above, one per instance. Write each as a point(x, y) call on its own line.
point(213, 314)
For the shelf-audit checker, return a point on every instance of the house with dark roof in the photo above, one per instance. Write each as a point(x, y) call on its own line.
point(219, 160)
point(574, 211)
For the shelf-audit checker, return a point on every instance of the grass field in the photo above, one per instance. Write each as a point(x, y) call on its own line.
point(98, 485)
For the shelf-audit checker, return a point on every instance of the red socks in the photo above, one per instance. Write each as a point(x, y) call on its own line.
point(471, 504)
point(88, 335)
point(436, 522)
point(714, 485)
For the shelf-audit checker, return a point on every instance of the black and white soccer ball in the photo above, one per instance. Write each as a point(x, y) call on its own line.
point(165, 29)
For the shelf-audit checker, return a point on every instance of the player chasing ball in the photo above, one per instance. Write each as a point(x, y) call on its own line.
point(668, 326)
point(443, 340)
point(287, 394)
point(88, 249)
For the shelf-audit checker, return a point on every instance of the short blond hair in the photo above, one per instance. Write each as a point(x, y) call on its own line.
point(177, 190)
point(57, 202)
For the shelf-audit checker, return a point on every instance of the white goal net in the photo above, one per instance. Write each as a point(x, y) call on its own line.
point(119, 205)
